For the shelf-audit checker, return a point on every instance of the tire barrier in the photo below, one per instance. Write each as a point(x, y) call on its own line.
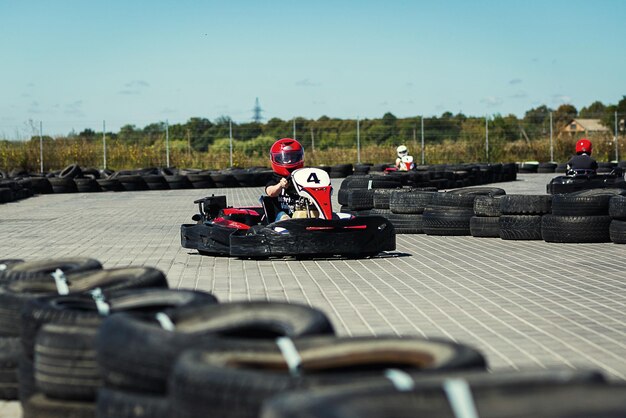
point(119, 343)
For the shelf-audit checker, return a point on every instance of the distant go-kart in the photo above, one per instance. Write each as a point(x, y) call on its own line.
point(313, 231)
point(583, 179)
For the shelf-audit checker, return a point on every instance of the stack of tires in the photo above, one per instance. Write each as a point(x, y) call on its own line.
point(356, 193)
point(406, 208)
point(521, 216)
point(617, 212)
point(581, 216)
point(450, 213)
point(486, 220)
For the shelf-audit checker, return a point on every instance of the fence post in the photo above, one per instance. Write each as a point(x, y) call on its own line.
point(294, 129)
point(41, 146)
point(167, 144)
point(551, 143)
point(487, 137)
point(358, 141)
point(423, 154)
point(230, 137)
point(616, 146)
point(104, 145)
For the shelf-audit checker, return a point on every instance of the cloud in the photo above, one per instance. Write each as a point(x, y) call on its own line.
point(519, 95)
point(34, 107)
point(561, 99)
point(515, 81)
point(134, 87)
point(74, 108)
point(492, 101)
point(306, 83)
point(408, 84)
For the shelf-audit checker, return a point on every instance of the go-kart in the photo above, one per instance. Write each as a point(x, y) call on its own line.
point(406, 164)
point(583, 179)
point(314, 230)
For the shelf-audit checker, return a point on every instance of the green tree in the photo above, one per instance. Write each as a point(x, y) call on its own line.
point(564, 115)
point(595, 110)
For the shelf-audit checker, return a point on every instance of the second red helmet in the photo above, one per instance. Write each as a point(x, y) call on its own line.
point(583, 146)
point(286, 155)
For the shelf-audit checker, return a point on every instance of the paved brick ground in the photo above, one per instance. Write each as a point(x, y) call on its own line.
point(525, 304)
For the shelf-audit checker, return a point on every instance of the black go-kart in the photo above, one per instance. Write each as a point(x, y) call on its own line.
point(313, 231)
point(583, 179)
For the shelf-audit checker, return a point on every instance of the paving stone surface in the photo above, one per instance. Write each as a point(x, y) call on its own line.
point(524, 304)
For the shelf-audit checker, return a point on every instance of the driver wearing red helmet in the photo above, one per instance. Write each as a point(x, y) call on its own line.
point(582, 160)
point(286, 155)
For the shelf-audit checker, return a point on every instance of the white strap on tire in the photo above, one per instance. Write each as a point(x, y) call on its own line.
point(165, 321)
point(460, 398)
point(3, 267)
point(290, 354)
point(401, 380)
point(98, 297)
point(61, 282)
point(369, 184)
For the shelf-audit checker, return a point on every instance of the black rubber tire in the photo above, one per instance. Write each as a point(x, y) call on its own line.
point(87, 185)
point(40, 406)
point(137, 354)
point(43, 268)
point(446, 220)
point(81, 310)
point(226, 384)
point(575, 229)
point(26, 378)
point(16, 293)
point(63, 185)
point(495, 395)
point(132, 183)
point(41, 185)
point(520, 227)
point(156, 182)
point(71, 172)
point(359, 199)
point(487, 206)
point(410, 201)
point(65, 363)
point(485, 226)
point(6, 195)
point(371, 182)
point(10, 352)
point(407, 223)
point(5, 264)
point(123, 404)
point(617, 231)
point(382, 197)
point(111, 185)
point(451, 199)
point(617, 207)
point(480, 191)
point(585, 203)
point(522, 204)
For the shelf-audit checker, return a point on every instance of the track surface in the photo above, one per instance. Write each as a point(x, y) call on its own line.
point(525, 304)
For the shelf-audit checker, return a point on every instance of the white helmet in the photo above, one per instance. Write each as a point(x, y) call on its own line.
point(402, 151)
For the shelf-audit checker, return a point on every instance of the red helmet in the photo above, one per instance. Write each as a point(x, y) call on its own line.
point(583, 146)
point(286, 155)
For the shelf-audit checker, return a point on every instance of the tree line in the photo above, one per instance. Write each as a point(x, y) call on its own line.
point(200, 134)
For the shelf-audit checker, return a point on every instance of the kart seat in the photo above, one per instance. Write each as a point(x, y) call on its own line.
point(270, 208)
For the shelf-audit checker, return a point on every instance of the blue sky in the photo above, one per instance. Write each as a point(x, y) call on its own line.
point(72, 64)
